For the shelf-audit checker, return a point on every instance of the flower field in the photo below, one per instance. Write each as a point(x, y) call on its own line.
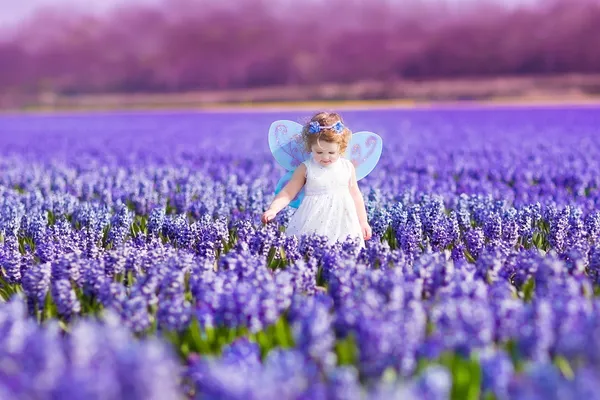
point(134, 264)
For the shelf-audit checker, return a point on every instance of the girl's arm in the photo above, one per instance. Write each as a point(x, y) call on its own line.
point(287, 194)
point(360, 205)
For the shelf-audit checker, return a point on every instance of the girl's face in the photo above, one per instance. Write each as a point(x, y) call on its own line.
point(325, 153)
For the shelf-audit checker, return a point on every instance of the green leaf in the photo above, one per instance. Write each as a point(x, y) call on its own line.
point(51, 218)
point(63, 325)
point(130, 278)
point(529, 289)
point(565, 368)
point(263, 341)
point(489, 396)
point(513, 352)
point(283, 333)
point(468, 256)
point(389, 375)
point(22, 245)
point(105, 236)
point(422, 364)
point(540, 240)
point(466, 376)
point(195, 339)
point(346, 350)
point(4, 294)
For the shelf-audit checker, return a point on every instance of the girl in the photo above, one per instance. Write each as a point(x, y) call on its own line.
point(333, 205)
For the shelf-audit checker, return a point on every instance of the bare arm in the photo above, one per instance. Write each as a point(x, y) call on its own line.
point(359, 203)
point(287, 194)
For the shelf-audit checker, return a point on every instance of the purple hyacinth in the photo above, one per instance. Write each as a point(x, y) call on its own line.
point(114, 262)
point(463, 325)
point(559, 229)
point(112, 295)
point(410, 235)
point(283, 374)
point(536, 336)
point(490, 264)
point(592, 226)
point(120, 225)
point(492, 227)
point(474, 240)
point(35, 225)
point(311, 324)
point(380, 221)
point(47, 250)
point(304, 276)
point(453, 227)
point(156, 220)
point(174, 312)
point(343, 384)
point(525, 224)
point(594, 264)
point(434, 383)
point(65, 298)
point(540, 381)
point(36, 282)
point(510, 230)
point(135, 313)
point(243, 353)
point(497, 370)
point(11, 264)
point(67, 267)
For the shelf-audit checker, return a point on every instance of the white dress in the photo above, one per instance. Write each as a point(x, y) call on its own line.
point(327, 208)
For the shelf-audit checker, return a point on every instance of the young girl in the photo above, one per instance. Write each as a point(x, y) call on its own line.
point(333, 205)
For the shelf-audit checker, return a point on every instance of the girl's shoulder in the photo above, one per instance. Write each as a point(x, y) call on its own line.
point(348, 164)
point(305, 164)
point(304, 167)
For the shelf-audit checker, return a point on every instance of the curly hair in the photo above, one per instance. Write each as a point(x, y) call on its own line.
point(328, 135)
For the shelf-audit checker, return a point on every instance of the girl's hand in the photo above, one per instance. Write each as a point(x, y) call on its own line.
point(366, 231)
point(268, 216)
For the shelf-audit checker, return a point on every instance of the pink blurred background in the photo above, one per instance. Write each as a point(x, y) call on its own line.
point(52, 48)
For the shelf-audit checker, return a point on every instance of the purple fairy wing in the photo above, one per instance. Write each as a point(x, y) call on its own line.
point(364, 152)
point(282, 182)
point(285, 142)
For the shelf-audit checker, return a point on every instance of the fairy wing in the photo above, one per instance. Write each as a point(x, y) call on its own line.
point(364, 152)
point(295, 203)
point(285, 142)
point(287, 146)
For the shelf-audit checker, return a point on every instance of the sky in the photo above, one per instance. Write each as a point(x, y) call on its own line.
point(13, 11)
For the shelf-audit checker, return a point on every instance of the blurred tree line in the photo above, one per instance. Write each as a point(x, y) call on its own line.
point(190, 45)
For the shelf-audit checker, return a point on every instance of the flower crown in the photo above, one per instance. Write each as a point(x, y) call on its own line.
point(315, 127)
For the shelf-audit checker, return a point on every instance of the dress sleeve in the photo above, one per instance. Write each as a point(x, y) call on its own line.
point(307, 165)
point(349, 168)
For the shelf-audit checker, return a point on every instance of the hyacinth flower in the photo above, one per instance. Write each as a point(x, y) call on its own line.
point(485, 242)
point(102, 358)
point(36, 285)
point(120, 226)
point(497, 372)
point(283, 374)
point(541, 381)
point(463, 325)
point(312, 327)
point(434, 383)
point(174, 311)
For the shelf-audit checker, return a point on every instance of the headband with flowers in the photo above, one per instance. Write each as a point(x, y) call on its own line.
point(315, 127)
